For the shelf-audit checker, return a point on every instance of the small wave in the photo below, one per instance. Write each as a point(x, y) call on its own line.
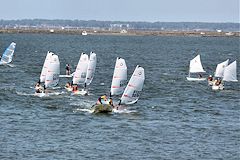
point(83, 110)
point(11, 65)
point(39, 94)
point(165, 74)
point(124, 111)
point(56, 87)
point(56, 93)
point(24, 94)
point(7, 88)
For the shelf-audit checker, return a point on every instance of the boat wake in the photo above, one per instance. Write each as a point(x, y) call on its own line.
point(117, 111)
point(83, 110)
point(40, 94)
point(11, 65)
point(124, 111)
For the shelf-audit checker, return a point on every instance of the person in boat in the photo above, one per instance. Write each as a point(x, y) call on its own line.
point(68, 85)
point(102, 100)
point(218, 82)
point(111, 102)
point(199, 75)
point(74, 88)
point(39, 88)
point(210, 78)
point(68, 71)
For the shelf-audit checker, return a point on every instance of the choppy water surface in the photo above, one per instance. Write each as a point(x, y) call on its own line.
point(174, 118)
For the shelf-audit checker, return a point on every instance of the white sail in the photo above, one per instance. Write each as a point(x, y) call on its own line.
point(220, 68)
point(132, 91)
point(230, 72)
point(91, 68)
point(45, 66)
point(119, 77)
point(81, 70)
point(53, 71)
point(196, 65)
point(8, 54)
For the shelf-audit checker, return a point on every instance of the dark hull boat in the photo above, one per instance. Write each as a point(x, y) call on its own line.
point(102, 108)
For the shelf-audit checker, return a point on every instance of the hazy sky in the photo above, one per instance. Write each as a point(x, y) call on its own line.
point(123, 10)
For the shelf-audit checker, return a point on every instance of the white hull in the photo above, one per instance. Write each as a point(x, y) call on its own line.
point(68, 89)
point(40, 94)
point(6, 64)
point(132, 102)
point(195, 79)
point(219, 87)
point(65, 76)
point(81, 92)
point(210, 83)
point(2, 63)
point(84, 33)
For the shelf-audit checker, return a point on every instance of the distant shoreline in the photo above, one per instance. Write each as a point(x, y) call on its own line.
point(125, 33)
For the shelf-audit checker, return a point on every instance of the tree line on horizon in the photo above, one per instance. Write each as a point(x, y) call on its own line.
point(130, 25)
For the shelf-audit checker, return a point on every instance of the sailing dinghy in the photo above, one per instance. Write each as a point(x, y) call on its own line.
point(80, 74)
point(119, 77)
point(8, 54)
point(195, 67)
point(219, 71)
point(134, 87)
point(130, 94)
point(50, 72)
point(84, 72)
point(117, 86)
point(229, 75)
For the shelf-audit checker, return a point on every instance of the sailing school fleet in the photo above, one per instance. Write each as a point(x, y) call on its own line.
point(224, 72)
point(82, 78)
point(129, 93)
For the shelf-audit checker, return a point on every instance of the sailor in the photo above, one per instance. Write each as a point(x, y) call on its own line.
point(210, 78)
point(74, 88)
point(68, 72)
point(68, 85)
point(102, 99)
point(199, 75)
point(39, 88)
point(218, 82)
point(111, 102)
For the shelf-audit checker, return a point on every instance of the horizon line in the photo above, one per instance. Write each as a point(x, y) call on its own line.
point(116, 20)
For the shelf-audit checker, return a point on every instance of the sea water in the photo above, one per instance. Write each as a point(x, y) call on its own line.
point(173, 119)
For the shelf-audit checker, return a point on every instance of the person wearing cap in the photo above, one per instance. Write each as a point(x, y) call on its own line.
point(103, 99)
